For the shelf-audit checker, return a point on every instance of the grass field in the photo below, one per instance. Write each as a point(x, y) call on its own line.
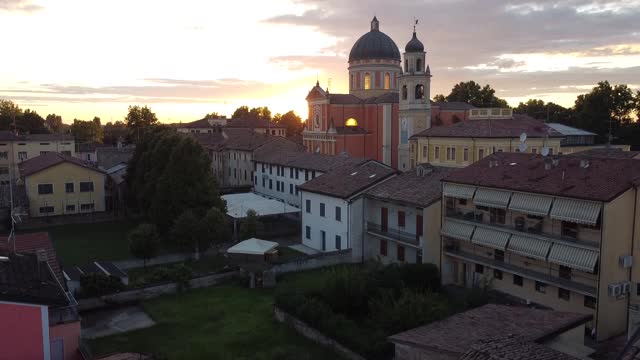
point(78, 244)
point(225, 322)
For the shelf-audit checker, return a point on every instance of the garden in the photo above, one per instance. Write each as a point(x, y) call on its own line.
point(360, 306)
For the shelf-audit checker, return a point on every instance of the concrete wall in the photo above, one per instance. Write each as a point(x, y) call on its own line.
point(328, 223)
point(70, 335)
point(59, 175)
point(12, 153)
point(25, 331)
point(289, 193)
point(316, 261)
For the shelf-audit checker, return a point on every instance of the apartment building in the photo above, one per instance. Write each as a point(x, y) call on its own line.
point(232, 152)
point(278, 174)
point(402, 217)
point(333, 206)
point(202, 126)
point(212, 124)
point(15, 149)
point(556, 231)
point(58, 184)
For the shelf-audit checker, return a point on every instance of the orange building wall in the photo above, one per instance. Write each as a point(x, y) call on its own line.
point(70, 333)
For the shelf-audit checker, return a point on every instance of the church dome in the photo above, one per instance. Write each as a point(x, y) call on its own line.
point(374, 45)
point(414, 45)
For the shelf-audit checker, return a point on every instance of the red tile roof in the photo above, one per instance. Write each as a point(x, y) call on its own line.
point(305, 160)
point(411, 188)
point(50, 159)
point(33, 242)
point(346, 181)
point(602, 180)
point(608, 153)
point(512, 347)
point(493, 128)
point(253, 123)
point(458, 333)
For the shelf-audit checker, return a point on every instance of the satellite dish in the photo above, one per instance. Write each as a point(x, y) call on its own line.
point(523, 137)
point(317, 149)
point(544, 151)
point(522, 147)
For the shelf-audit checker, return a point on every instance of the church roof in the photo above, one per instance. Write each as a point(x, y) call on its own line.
point(374, 45)
point(414, 45)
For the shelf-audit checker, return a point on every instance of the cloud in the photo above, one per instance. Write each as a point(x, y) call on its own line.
point(19, 5)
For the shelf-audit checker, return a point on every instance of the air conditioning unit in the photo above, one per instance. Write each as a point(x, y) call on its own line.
point(615, 290)
point(626, 287)
point(626, 261)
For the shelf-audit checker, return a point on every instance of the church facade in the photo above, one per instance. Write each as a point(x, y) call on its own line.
point(388, 102)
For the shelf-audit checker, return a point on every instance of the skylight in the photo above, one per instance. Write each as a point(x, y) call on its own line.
point(354, 173)
point(372, 176)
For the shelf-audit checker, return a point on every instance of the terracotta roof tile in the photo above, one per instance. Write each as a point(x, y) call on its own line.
point(306, 160)
point(411, 188)
point(608, 153)
point(348, 180)
point(33, 242)
point(512, 347)
point(493, 128)
point(252, 123)
point(50, 159)
point(602, 180)
point(457, 333)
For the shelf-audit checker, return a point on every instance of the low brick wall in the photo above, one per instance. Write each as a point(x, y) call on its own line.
point(150, 292)
point(315, 261)
point(313, 334)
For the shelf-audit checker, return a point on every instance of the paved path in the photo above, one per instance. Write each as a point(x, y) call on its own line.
point(158, 260)
point(304, 249)
point(114, 321)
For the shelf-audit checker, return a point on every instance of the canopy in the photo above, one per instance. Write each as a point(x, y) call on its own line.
point(238, 204)
point(253, 246)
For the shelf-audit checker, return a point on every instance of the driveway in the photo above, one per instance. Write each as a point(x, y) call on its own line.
point(107, 322)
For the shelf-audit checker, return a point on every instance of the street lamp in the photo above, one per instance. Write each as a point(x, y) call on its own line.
point(350, 122)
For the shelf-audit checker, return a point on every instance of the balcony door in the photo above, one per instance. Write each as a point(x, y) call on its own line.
point(384, 219)
point(418, 227)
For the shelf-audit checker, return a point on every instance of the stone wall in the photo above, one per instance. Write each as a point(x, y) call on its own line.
point(150, 292)
point(314, 335)
point(316, 261)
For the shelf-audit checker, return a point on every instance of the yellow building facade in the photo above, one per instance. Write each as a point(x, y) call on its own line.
point(62, 186)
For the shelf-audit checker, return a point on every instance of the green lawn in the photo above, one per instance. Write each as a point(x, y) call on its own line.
point(225, 322)
point(78, 244)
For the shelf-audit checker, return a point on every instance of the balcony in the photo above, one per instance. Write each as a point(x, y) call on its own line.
point(524, 272)
point(65, 314)
point(393, 234)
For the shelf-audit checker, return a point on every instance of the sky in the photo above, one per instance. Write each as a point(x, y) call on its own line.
point(86, 58)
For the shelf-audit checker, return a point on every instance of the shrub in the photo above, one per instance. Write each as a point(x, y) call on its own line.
point(410, 309)
point(99, 284)
point(347, 289)
point(420, 276)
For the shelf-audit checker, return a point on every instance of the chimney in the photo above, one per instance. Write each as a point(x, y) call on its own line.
point(493, 163)
point(548, 163)
point(555, 160)
point(584, 163)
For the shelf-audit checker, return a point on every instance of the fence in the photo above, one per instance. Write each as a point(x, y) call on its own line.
point(310, 262)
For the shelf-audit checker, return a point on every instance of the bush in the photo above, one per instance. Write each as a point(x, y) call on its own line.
point(347, 289)
point(180, 274)
point(92, 285)
point(420, 276)
point(410, 309)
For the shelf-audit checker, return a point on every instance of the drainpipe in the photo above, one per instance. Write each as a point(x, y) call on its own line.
point(633, 235)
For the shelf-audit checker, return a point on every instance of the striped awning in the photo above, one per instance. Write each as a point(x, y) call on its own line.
point(492, 198)
point(457, 230)
point(491, 238)
point(573, 257)
point(579, 211)
point(529, 246)
point(458, 191)
point(531, 204)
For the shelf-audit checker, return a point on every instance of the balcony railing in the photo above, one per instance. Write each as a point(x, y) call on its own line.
point(393, 234)
point(546, 278)
point(64, 314)
point(476, 218)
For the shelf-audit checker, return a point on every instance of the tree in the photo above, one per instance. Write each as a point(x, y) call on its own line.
point(249, 226)
point(30, 122)
point(216, 226)
point(549, 112)
point(472, 93)
point(256, 113)
point(8, 113)
point(113, 132)
point(439, 98)
point(190, 233)
point(54, 123)
point(138, 120)
point(144, 242)
point(292, 121)
point(241, 112)
point(86, 131)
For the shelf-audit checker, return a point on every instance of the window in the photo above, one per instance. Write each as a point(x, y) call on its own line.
point(307, 232)
point(404, 133)
point(87, 207)
point(419, 91)
point(338, 213)
point(367, 81)
point(22, 155)
point(479, 269)
point(404, 92)
point(306, 175)
point(465, 154)
point(44, 189)
point(517, 280)
point(497, 274)
point(291, 189)
point(569, 229)
point(291, 173)
point(590, 302)
point(451, 153)
point(534, 150)
point(541, 287)
point(270, 169)
point(313, 174)
point(68, 188)
point(43, 152)
point(46, 209)
point(564, 294)
point(86, 186)
point(66, 152)
point(262, 167)
point(497, 216)
point(264, 182)
point(401, 219)
point(4, 170)
point(424, 151)
point(406, 65)
point(338, 242)
point(323, 236)
point(498, 255)
point(383, 247)
point(235, 173)
point(564, 272)
point(437, 152)
point(322, 209)
point(270, 184)
point(462, 202)
point(245, 174)
point(308, 206)
point(419, 65)
point(4, 155)
point(387, 81)
point(70, 208)
point(400, 254)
